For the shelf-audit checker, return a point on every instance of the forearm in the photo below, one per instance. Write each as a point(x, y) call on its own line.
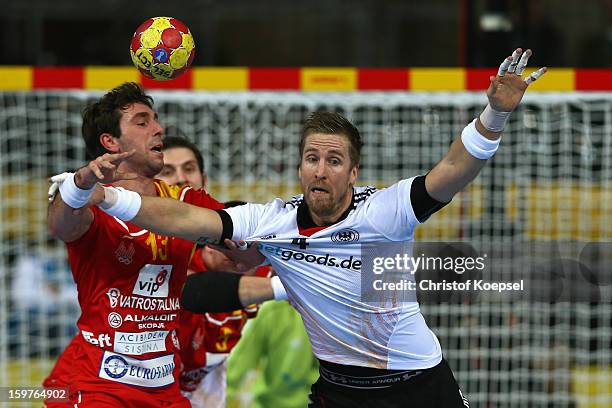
point(167, 216)
point(457, 169)
point(164, 216)
point(253, 289)
point(68, 216)
point(224, 292)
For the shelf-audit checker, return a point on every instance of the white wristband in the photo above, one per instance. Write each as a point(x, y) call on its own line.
point(476, 144)
point(121, 203)
point(279, 290)
point(72, 195)
point(492, 120)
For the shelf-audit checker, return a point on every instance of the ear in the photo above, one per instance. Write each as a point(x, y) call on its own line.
point(109, 142)
point(204, 180)
point(353, 175)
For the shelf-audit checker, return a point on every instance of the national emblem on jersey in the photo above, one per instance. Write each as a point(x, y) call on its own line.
point(125, 251)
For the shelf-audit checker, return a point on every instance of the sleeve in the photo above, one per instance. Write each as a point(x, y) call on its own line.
point(243, 220)
point(423, 205)
point(395, 211)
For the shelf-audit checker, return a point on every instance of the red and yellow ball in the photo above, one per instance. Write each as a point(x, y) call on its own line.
point(162, 48)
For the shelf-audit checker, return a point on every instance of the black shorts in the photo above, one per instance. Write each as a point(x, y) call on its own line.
point(435, 387)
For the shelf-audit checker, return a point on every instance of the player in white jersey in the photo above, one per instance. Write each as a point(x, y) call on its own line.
point(372, 354)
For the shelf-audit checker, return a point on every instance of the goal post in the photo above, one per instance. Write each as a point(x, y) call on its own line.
point(551, 181)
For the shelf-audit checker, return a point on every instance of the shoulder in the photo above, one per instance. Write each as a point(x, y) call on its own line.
point(293, 203)
point(363, 193)
point(188, 194)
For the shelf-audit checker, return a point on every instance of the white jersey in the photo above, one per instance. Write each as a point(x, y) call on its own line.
point(321, 269)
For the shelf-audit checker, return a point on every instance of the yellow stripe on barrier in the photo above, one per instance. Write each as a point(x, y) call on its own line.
point(329, 79)
point(105, 78)
point(555, 80)
point(218, 79)
point(15, 78)
point(437, 79)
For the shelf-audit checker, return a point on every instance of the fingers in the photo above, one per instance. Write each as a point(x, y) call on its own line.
point(515, 59)
point(503, 68)
point(523, 62)
point(515, 65)
point(118, 157)
point(230, 244)
point(242, 245)
point(53, 190)
point(535, 75)
point(107, 165)
point(95, 169)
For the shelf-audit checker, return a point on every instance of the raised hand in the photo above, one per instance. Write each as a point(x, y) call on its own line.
point(508, 87)
point(103, 170)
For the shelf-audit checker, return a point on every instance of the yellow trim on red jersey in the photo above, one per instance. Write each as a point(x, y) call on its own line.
point(166, 190)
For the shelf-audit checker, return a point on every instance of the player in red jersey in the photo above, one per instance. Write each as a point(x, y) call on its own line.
point(206, 340)
point(129, 280)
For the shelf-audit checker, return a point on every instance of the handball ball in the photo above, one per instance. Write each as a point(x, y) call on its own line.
point(162, 48)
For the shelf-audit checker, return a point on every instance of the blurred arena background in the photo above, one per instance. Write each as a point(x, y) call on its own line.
point(410, 75)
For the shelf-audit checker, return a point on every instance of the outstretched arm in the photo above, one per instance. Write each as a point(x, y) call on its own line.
point(225, 291)
point(167, 216)
point(479, 140)
point(68, 215)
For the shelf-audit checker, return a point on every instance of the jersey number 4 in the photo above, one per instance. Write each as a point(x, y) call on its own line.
point(301, 242)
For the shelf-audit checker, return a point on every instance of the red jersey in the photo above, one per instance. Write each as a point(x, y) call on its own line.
point(129, 282)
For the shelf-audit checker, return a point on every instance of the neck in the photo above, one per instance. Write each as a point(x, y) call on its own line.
point(142, 185)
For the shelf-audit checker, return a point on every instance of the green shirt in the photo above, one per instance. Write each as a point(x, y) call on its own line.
point(272, 365)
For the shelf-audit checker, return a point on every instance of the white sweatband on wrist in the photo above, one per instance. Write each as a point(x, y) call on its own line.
point(476, 144)
point(279, 290)
point(121, 203)
point(72, 195)
point(492, 120)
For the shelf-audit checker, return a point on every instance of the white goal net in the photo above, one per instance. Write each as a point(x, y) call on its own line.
point(551, 182)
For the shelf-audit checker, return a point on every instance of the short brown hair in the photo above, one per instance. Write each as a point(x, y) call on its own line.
point(104, 115)
point(171, 142)
point(334, 124)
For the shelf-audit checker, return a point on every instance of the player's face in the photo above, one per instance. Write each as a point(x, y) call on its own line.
point(181, 167)
point(141, 131)
point(327, 176)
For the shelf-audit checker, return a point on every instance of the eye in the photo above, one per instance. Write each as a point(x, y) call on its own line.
point(190, 169)
point(335, 162)
point(311, 159)
point(166, 172)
